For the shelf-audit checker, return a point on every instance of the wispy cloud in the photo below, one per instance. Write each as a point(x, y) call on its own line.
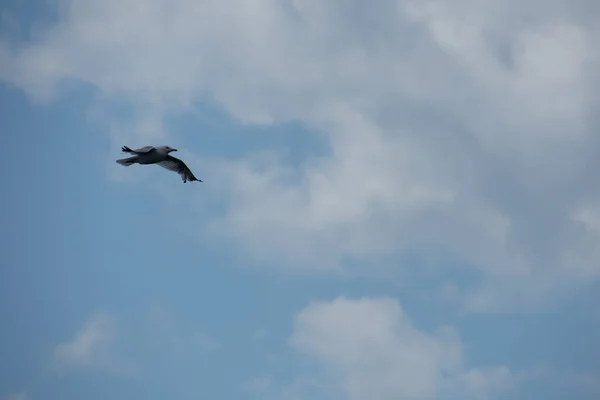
point(94, 338)
point(91, 347)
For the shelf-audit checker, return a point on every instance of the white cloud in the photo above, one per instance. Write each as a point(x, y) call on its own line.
point(156, 337)
point(94, 337)
point(92, 347)
point(370, 348)
point(479, 383)
point(465, 126)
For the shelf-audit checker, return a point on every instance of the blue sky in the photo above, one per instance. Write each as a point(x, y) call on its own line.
point(390, 209)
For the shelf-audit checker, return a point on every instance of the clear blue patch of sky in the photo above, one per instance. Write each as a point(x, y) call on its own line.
point(211, 131)
point(21, 21)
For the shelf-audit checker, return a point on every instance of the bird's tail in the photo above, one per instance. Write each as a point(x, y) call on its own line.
point(126, 149)
point(127, 161)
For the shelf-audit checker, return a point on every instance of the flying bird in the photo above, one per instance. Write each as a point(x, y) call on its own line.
point(158, 155)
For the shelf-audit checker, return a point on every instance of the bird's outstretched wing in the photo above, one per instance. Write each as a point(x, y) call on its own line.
point(176, 165)
point(141, 150)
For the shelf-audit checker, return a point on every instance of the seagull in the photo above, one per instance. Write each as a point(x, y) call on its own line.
point(158, 155)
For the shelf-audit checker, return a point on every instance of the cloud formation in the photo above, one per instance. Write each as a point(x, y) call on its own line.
point(92, 347)
point(83, 350)
point(370, 348)
point(464, 127)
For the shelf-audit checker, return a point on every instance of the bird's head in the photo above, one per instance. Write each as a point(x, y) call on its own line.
point(168, 149)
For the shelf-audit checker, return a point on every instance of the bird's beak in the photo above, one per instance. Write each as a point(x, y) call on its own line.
point(174, 150)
